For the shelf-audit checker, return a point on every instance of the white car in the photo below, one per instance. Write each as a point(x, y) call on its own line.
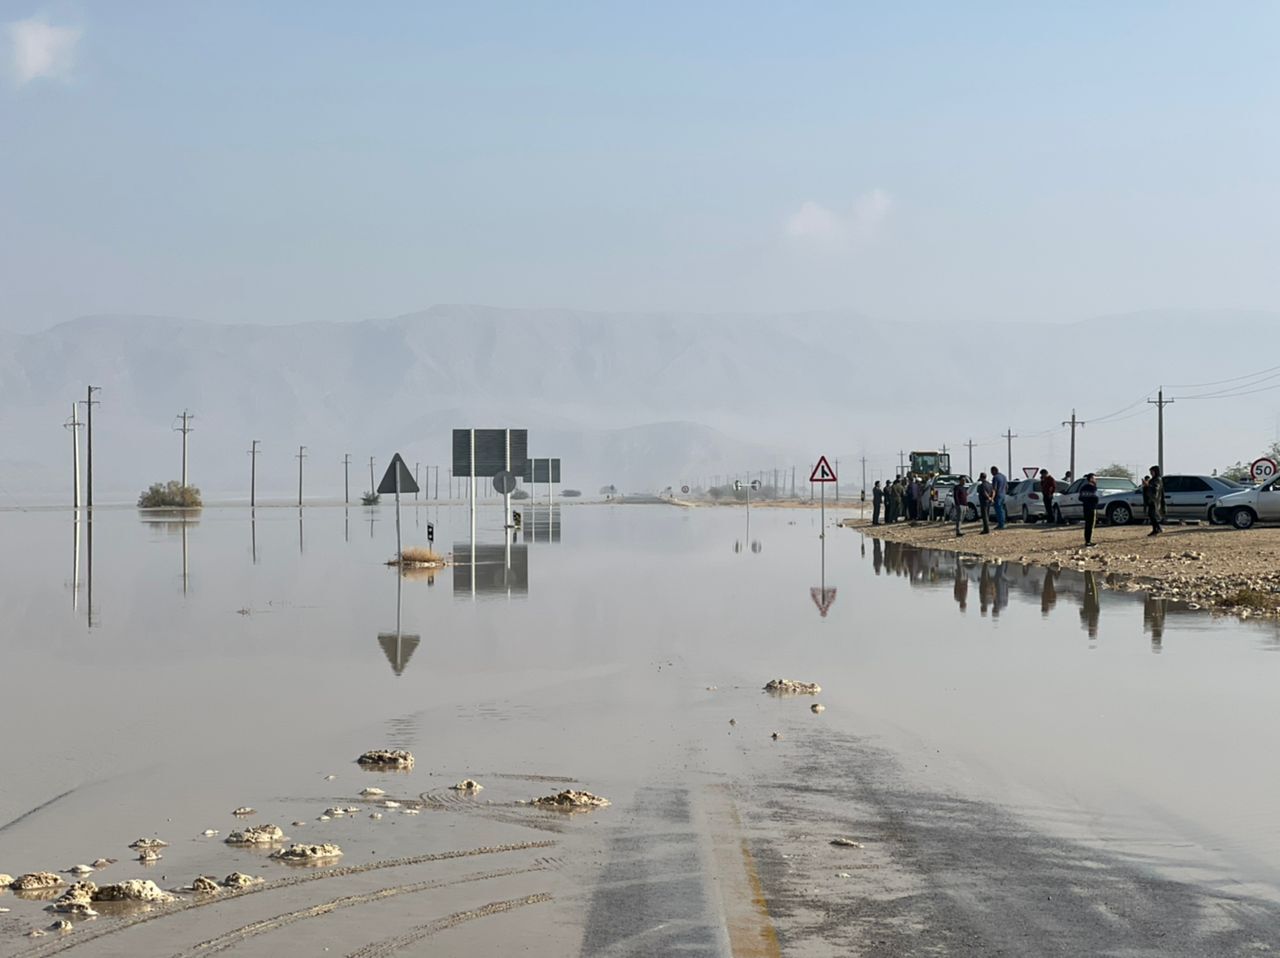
point(1251, 504)
point(1067, 508)
point(1024, 500)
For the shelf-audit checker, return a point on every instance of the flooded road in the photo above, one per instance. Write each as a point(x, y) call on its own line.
point(1024, 757)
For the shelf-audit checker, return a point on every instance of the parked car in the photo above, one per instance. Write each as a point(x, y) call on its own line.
point(1024, 500)
point(1067, 508)
point(1250, 504)
point(1185, 497)
point(940, 488)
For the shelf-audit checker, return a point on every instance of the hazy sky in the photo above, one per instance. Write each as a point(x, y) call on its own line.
point(288, 161)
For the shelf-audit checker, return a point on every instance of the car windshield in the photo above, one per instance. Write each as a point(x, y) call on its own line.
point(1116, 483)
point(1230, 482)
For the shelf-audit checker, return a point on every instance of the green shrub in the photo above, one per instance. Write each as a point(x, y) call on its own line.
point(170, 495)
point(370, 499)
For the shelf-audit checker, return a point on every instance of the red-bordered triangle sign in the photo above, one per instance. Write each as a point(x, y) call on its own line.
point(822, 472)
point(1030, 471)
point(823, 599)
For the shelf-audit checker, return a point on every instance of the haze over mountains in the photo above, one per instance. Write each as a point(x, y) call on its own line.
point(639, 400)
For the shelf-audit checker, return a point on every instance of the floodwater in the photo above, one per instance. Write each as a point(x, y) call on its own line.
point(994, 736)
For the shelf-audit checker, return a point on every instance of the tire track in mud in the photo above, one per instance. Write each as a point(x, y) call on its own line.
point(389, 946)
point(55, 948)
point(239, 935)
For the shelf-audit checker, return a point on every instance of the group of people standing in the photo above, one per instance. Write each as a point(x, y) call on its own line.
point(909, 497)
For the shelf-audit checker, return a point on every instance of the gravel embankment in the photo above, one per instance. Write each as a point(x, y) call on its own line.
point(1213, 567)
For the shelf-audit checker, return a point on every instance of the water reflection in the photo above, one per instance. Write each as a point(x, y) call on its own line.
point(488, 569)
point(399, 646)
point(253, 535)
point(1090, 607)
point(540, 523)
point(176, 522)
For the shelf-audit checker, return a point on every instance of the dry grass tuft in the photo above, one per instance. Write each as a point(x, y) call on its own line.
point(420, 555)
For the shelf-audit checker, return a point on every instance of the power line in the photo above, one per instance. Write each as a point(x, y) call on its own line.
point(1220, 382)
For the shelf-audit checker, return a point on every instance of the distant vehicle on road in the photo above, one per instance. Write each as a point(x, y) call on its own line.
point(1185, 497)
point(1067, 508)
point(1250, 504)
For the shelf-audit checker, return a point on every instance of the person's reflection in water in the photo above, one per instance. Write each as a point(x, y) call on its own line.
point(1002, 589)
point(961, 590)
point(1049, 592)
point(986, 588)
point(877, 555)
point(1090, 609)
point(1153, 613)
point(893, 557)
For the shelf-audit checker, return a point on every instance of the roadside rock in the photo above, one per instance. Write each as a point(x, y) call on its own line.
point(386, 758)
point(265, 834)
point(102, 863)
point(245, 810)
point(149, 855)
point(776, 736)
point(572, 798)
point(76, 909)
point(80, 870)
point(817, 707)
point(36, 881)
point(135, 889)
point(142, 843)
point(81, 892)
point(468, 785)
point(241, 880)
point(6, 881)
point(845, 843)
point(372, 792)
point(308, 853)
point(61, 925)
point(792, 687)
point(206, 885)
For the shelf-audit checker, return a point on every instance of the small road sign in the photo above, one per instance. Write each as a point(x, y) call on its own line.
point(1262, 469)
point(388, 483)
point(684, 490)
point(822, 472)
point(431, 532)
point(1030, 471)
point(505, 482)
point(737, 484)
point(755, 485)
point(823, 599)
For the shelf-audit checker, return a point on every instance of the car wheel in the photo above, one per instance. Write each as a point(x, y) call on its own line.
point(1243, 518)
point(972, 514)
point(1209, 517)
point(1026, 516)
point(1120, 514)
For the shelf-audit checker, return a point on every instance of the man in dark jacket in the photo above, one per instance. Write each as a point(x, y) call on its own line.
point(1153, 500)
point(986, 496)
point(1047, 488)
point(1089, 505)
point(877, 500)
point(961, 495)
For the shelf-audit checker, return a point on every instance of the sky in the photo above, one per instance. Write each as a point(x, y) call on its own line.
point(294, 161)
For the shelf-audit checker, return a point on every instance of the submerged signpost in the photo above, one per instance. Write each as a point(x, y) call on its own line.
point(397, 479)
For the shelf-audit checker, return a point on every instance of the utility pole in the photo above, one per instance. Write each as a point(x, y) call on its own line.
point(90, 402)
point(970, 444)
point(1160, 402)
point(302, 454)
point(902, 462)
point(864, 477)
point(253, 473)
point(1010, 436)
point(346, 478)
point(416, 467)
point(74, 425)
point(837, 481)
point(372, 484)
point(185, 428)
point(1073, 422)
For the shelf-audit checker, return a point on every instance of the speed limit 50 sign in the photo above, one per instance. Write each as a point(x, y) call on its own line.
point(1262, 469)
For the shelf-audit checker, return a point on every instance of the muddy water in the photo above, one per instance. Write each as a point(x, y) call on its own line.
point(220, 663)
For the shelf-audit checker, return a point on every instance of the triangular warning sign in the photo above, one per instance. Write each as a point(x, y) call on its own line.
point(1030, 471)
point(822, 472)
point(398, 649)
point(823, 599)
point(388, 483)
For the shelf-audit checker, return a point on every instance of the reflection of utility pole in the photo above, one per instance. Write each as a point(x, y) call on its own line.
point(90, 402)
point(302, 454)
point(1010, 436)
point(346, 478)
point(185, 428)
point(1160, 402)
point(74, 425)
point(253, 473)
point(1073, 422)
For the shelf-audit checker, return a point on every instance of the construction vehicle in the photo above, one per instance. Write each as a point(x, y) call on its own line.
point(930, 463)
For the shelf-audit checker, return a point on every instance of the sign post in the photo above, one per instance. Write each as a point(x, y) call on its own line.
point(398, 479)
point(1262, 469)
point(823, 474)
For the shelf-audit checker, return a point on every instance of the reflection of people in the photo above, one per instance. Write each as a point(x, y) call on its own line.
point(1090, 609)
point(1048, 592)
point(961, 590)
point(1153, 613)
point(986, 588)
point(877, 555)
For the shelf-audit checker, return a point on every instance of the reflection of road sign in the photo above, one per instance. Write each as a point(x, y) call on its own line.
point(431, 532)
point(823, 599)
point(685, 490)
point(505, 482)
point(822, 472)
point(388, 483)
point(1030, 471)
point(1262, 469)
point(398, 648)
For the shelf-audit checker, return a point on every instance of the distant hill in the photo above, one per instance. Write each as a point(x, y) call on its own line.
point(638, 400)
